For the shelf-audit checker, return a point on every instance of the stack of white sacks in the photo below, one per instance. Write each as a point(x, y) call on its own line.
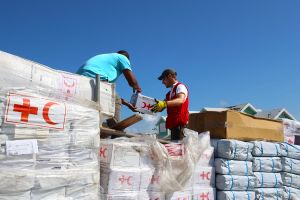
point(49, 146)
point(202, 182)
point(291, 171)
point(234, 175)
point(267, 167)
point(126, 172)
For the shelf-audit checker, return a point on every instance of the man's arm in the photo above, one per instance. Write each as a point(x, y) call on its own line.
point(180, 98)
point(132, 80)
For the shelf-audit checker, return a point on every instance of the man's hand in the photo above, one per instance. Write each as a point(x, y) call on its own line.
point(159, 106)
point(129, 105)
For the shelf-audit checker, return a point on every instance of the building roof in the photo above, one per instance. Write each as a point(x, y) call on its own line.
point(278, 113)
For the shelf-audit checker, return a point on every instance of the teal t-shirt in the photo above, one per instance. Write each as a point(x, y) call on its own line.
point(109, 66)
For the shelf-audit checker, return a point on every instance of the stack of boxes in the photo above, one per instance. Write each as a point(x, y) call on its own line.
point(234, 179)
point(201, 185)
point(267, 168)
point(49, 147)
point(291, 171)
point(126, 173)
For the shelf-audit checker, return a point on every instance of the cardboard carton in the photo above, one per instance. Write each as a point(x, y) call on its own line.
point(235, 125)
point(142, 103)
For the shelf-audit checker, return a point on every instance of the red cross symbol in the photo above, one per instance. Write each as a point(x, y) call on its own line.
point(102, 152)
point(154, 179)
point(25, 110)
point(123, 179)
point(205, 175)
point(204, 196)
point(145, 105)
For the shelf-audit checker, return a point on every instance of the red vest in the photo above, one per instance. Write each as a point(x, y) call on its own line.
point(177, 115)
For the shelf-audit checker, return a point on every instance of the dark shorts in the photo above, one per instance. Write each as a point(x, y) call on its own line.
point(177, 133)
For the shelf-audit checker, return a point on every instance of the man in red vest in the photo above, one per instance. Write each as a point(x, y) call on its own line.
point(176, 102)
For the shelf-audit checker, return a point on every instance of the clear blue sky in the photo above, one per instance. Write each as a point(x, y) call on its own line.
point(226, 52)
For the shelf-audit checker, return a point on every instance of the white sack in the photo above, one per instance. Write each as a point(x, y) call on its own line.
point(291, 193)
point(267, 164)
point(267, 180)
point(236, 195)
point(200, 193)
point(266, 149)
point(16, 196)
point(291, 151)
point(290, 165)
point(291, 180)
point(235, 183)
point(233, 149)
point(233, 167)
point(269, 193)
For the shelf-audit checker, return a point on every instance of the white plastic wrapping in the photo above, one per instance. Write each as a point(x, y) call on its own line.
point(175, 173)
point(268, 149)
point(233, 167)
point(236, 195)
point(203, 177)
point(269, 193)
point(291, 193)
point(291, 180)
point(16, 196)
point(267, 164)
point(48, 143)
point(233, 149)
point(206, 158)
point(291, 151)
point(235, 183)
point(187, 194)
point(267, 180)
point(290, 165)
point(19, 72)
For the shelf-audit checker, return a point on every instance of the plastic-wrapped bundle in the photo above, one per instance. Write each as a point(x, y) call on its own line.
point(291, 151)
point(200, 193)
point(120, 153)
point(83, 192)
point(236, 195)
point(57, 193)
point(16, 196)
point(16, 181)
point(290, 165)
point(267, 180)
point(291, 193)
point(266, 149)
point(206, 158)
point(291, 180)
point(235, 183)
point(267, 164)
point(121, 196)
point(204, 177)
point(233, 149)
point(268, 193)
point(233, 167)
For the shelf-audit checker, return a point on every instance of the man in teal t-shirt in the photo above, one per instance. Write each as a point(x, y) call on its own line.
point(110, 66)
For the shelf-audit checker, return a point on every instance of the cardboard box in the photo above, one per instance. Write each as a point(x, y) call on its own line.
point(235, 125)
point(142, 103)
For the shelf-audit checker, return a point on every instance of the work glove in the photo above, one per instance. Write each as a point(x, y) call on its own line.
point(159, 106)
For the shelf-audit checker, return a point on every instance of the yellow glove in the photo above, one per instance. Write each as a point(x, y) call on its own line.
point(159, 106)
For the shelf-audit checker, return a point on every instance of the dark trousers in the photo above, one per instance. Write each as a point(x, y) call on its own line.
point(177, 133)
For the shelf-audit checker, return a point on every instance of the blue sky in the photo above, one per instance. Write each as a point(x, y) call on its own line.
point(226, 52)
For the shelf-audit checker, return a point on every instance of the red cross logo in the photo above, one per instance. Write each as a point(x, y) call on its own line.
point(145, 105)
point(25, 110)
point(34, 111)
point(102, 152)
point(123, 180)
point(204, 196)
point(205, 175)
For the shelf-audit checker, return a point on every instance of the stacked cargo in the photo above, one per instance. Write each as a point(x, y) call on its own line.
point(234, 176)
point(267, 167)
point(125, 172)
point(291, 171)
point(49, 146)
